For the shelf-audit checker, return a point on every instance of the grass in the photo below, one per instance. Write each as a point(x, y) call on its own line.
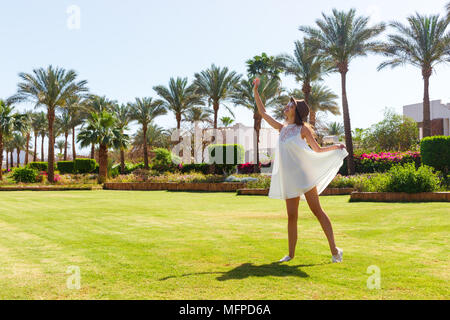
point(179, 245)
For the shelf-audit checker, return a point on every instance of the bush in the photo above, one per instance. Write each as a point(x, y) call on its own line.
point(195, 167)
point(39, 166)
point(164, 160)
point(436, 152)
point(25, 174)
point(230, 154)
point(65, 167)
point(131, 167)
point(84, 165)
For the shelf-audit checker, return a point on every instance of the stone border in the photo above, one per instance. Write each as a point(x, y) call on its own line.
point(265, 192)
point(44, 188)
point(400, 197)
point(175, 186)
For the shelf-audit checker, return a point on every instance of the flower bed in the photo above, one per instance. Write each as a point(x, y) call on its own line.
point(399, 197)
point(175, 186)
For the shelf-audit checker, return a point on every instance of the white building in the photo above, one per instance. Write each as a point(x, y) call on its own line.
point(439, 116)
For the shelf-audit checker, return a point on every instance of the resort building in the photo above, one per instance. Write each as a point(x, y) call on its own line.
point(439, 115)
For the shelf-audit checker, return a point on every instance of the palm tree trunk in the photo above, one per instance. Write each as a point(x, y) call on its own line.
point(74, 153)
point(7, 161)
point(11, 162)
point(426, 105)
point(18, 158)
point(66, 137)
point(1, 157)
point(122, 161)
point(347, 126)
point(92, 151)
point(51, 145)
point(27, 148)
point(103, 163)
point(42, 148)
point(216, 112)
point(307, 93)
point(35, 147)
point(144, 131)
point(257, 127)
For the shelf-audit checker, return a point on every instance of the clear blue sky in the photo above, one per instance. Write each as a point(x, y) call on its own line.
point(124, 48)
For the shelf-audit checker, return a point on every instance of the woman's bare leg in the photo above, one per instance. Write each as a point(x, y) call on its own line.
point(313, 202)
point(292, 211)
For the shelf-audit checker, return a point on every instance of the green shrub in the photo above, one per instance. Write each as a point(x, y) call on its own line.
point(230, 154)
point(407, 179)
point(40, 166)
point(195, 167)
point(131, 167)
point(164, 160)
point(25, 174)
point(436, 152)
point(84, 165)
point(65, 167)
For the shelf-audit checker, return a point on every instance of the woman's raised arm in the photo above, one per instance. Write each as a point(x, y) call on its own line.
point(262, 110)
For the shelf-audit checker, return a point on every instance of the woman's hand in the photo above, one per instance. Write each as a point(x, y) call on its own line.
point(256, 83)
point(341, 146)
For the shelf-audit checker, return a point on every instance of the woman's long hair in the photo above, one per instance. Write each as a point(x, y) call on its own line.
point(302, 111)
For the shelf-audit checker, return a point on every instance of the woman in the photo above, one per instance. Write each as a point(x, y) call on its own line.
point(300, 171)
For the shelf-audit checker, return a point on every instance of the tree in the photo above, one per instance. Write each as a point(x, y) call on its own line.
point(123, 115)
point(216, 85)
point(226, 121)
point(144, 111)
point(335, 129)
point(38, 125)
point(269, 90)
point(76, 107)
point(342, 37)
point(270, 66)
point(64, 125)
point(157, 137)
point(423, 44)
point(198, 114)
point(101, 128)
point(9, 122)
point(26, 130)
point(61, 145)
point(307, 66)
point(18, 142)
point(50, 87)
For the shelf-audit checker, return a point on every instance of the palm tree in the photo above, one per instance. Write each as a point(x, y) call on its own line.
point(144, 111)
point(216, 85)
point(321, 98)
point(50, 87)
point(26, 130)
point(198, 114)
point(102, 129)
point(18, 142)
point(9, 122)
point(342, 37)
point(226, 121)
point(76, 109)
point(97, 104)
point(269, 91)
point(178, 97)
point(123, 115)
point(423, 44)
point(61, 145)
point(64, 125)
point(448, 11)
point(335, 129)
point(308, 67)
point(38, 124)
point(156, 137)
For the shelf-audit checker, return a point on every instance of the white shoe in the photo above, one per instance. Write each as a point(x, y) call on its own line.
point(338, 257)
point(286, 259)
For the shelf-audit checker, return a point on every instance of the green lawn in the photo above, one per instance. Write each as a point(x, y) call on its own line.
point(180, 245)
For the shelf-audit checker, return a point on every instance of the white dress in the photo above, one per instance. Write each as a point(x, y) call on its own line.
point(297, 168)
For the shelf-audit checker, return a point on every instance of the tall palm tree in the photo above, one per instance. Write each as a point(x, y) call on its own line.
point(448, 11)
point(144, 111)
point(269, 91)
point(424, 43)
point(50, 87)
point(216, 85)
point(97, 104)
point(226, 121)
point(307, 66)
point(26, 130)
point(123, 115)
point(101, 128)
point(9, 122)
point(18, 142)
point(156, 137)
point(38, 124)
point(198, 114)
point(61, 145)
point(321, 98)
point(178, 97)
point(342, 37)
point(335, 129)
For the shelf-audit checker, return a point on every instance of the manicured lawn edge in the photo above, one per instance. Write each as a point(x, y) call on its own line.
point(399, 197)
point(44, 188)
point(175, 186)
point(265, 192)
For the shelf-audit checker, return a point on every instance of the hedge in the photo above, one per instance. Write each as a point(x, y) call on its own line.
point(40, 166)
point(230, 154)
point(84, 165)
point(436, 152)
point(65, 167)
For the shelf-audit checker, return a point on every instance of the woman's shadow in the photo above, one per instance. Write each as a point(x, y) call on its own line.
point(246, 270)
